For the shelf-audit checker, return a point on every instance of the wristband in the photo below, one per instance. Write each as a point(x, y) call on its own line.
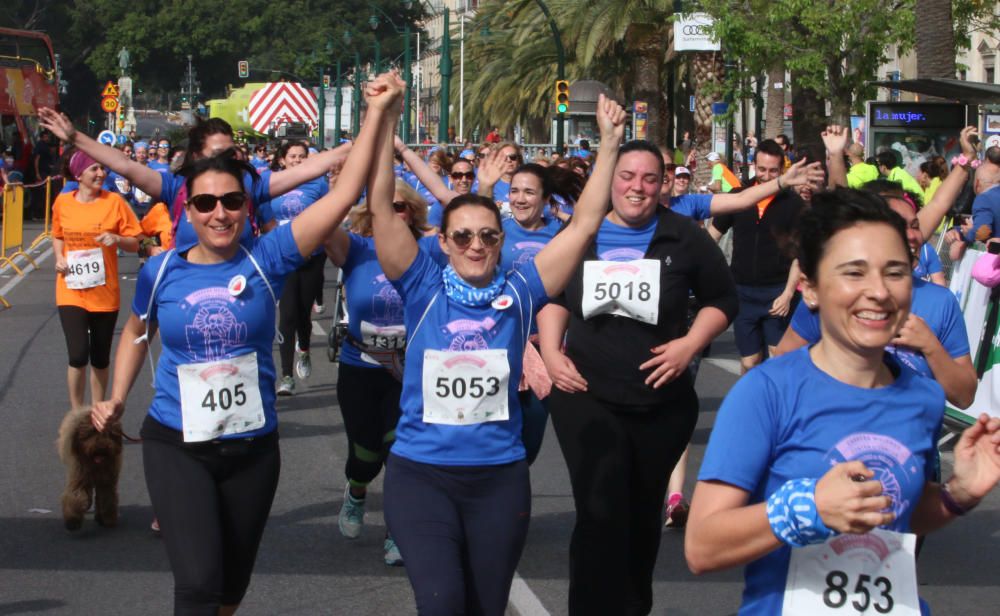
point(793, 516)
point(951, 504)
point(963, 161)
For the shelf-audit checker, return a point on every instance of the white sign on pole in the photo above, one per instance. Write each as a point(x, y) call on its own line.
point(693, 32)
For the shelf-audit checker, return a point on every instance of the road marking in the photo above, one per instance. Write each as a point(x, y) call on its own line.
point(731, 366)
point(318, 330)
point(523, 601)
point(13, 283)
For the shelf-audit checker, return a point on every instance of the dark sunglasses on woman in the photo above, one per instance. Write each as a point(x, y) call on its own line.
point(206, 203)
point(463, 237)
point(399, 206)
point(458, 175)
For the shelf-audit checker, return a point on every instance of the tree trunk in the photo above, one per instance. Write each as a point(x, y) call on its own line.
point(706, 75)
point(841, 99)
point(808, 120)
point(649, 44)
point(774, 114)
point(935, 39)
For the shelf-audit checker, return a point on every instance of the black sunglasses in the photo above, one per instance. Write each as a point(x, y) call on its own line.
point(463, 237)
point(400, 206)
point(206, 203)
point(458, 175)
point(513, 157)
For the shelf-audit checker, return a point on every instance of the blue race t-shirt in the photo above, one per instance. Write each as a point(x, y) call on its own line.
point(199, 320)
point(698, 207)
point(933, 303)
point(501, 192)
point(284, 208)
point(617, 243)
point(433, 322)
point(156, 165)
point(374, 308)
point(521, 245)
point(174, 193)
point(928, 263)
point(787, 419)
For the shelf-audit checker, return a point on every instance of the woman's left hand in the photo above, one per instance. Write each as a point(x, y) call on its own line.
point(107, 239)
point(977, 462)
point(610, 119)
point(669, 361)
point(964, 139)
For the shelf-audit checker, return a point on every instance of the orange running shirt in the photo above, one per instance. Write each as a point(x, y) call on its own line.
point(157, 222)
point(77, 224)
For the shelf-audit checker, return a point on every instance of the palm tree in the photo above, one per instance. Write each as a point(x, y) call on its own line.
point(935, 39)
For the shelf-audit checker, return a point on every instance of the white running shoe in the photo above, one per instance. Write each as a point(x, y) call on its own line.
point(392, 556)
point(352, 515)
point(303, 364)
point(286, 387)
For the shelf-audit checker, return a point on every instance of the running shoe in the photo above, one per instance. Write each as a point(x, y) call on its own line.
point(319, 308)
point(352, 515)
point(392, 556)
point(676, 511)
point(286, 387)
point(303, 365)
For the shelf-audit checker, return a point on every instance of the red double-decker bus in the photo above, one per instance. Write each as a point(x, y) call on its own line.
point(28, 80)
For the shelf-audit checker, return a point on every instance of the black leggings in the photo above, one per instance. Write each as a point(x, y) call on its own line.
point(369, 401)
point(212, 501)
point(461, 530)
point(301, 287)
point(619, 462)
point(88, 336)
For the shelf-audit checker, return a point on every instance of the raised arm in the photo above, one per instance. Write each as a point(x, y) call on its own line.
point(317, 222)
point(424, 173)
point(148, 180)
point(490, 171)
point(931, 215)
point(561, 256)
point(835, 140)
point(311, 168)
point(394, 242)
point(797, 174)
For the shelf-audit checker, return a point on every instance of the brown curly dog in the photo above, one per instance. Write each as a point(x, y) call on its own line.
point(93, 462)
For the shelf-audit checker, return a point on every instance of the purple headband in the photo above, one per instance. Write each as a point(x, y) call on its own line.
point(80, 162)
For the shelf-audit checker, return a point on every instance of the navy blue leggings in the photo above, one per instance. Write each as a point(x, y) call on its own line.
point(461, 531)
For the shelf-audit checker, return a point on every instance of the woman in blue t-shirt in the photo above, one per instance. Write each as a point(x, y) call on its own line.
point(210, 441)
point(457, 495)
point(819, 464)
point(370, 372)
point(303, 285)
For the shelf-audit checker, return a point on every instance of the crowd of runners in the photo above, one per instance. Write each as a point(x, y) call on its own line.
point(485, 293)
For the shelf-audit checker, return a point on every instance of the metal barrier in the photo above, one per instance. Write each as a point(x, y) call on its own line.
point(12, 234)
point(46, 233)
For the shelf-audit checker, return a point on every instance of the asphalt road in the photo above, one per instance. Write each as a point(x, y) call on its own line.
point(305, 566)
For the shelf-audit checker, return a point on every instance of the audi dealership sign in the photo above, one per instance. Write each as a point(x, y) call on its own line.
point(693, 32)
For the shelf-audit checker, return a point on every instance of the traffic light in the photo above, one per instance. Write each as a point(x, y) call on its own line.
point(244, 68)
point(562, 96)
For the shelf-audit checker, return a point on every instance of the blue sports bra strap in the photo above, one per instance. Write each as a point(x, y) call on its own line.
point(149, 311)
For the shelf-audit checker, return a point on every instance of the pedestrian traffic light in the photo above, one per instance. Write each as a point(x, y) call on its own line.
point(244, 68)
point(562, 96)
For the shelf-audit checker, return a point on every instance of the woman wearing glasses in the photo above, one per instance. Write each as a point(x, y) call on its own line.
point(206, 138)
point(457, 496)
point(510, 158)
point(370, 371)
point(463, 178)
point(210, 441)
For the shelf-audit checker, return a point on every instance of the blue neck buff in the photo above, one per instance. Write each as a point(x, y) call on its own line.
point(462, 292)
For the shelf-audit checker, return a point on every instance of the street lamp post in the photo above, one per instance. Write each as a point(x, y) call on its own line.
point(356, 112)
point(373, 21)
point(561, 73)
point(445, 69)
point(322, 109)
point(338, 103)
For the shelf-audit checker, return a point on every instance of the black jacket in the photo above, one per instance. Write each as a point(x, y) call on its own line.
point(608, 349)
point(762, 254)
